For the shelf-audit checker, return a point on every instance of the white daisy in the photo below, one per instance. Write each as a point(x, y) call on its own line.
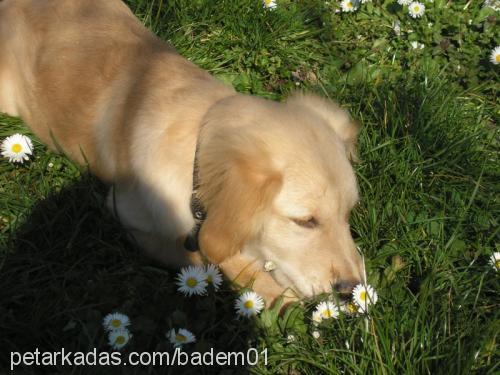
point(118, 338)
point(364, 296)
point(495, 260)
point(495, 55)
point(316, 317)
point(181, 337)
point(404, 2)
point(417, 45)
point(316, 334)
point(416, 9)
point(17, 148)
point(191, 280)
point(396, 26)
point(271, 4)
point(349, 5)
point(249, 304)
point(115, 321)
point(494, 4)
point(269, 266)
point(327, 310)
point(213, 276)
point(349, 308)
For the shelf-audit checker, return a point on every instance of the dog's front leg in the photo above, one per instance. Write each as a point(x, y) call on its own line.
point(126, 203)
point(164, 250)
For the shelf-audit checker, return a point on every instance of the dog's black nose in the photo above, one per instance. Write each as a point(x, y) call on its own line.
point(345, 286)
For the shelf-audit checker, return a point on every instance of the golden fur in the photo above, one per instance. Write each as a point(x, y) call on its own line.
point(92, 82)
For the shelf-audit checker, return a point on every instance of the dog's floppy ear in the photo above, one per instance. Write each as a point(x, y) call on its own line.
point(237, 186)
point(338, 119)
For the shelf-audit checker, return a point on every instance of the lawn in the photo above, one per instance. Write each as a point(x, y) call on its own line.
point(427, 222)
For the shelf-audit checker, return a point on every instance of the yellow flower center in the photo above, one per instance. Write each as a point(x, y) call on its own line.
point(362, 296)
point(116, 323)
point(180, 338)
point(416, 8)
point(248, 304)
point(209, 279)
point(497, 263)
point(351, 307)
point(497, 57)
point(120, 340)
point(16, 148)
point(191, 282)
point(349, 5)
point(327, 313)
point(268, 2)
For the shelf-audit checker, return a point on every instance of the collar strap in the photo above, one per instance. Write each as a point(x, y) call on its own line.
point(197, 210)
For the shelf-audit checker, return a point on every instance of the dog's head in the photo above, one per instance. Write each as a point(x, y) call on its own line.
point(278, 185)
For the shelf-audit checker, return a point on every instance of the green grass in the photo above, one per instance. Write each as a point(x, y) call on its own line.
point(427, 221)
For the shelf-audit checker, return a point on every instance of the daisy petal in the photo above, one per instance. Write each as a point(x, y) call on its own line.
point(118, 338)
point(213, 276)
point(416, 9)
point(349, 5)
point(17, 148)
point(249, 304)
point(181, 337)
point(327, 310)
point(495, 56)
point(191, 280)
point(270, 4)
point(363, 296)
point(495, 260)
point(115, 321)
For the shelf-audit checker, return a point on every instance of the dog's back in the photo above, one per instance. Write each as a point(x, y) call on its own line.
point(80, 71)
point(55, 86)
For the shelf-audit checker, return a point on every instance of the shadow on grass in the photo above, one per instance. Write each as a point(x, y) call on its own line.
point(70, 264)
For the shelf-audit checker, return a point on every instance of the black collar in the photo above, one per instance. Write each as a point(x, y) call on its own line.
point(197, 209)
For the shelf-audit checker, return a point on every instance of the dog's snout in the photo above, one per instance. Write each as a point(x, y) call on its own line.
point(345, 286)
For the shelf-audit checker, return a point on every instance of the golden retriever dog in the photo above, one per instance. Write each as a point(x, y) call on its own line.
point(274, 180)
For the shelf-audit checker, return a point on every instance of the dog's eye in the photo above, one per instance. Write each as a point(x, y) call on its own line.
point(306, 223)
